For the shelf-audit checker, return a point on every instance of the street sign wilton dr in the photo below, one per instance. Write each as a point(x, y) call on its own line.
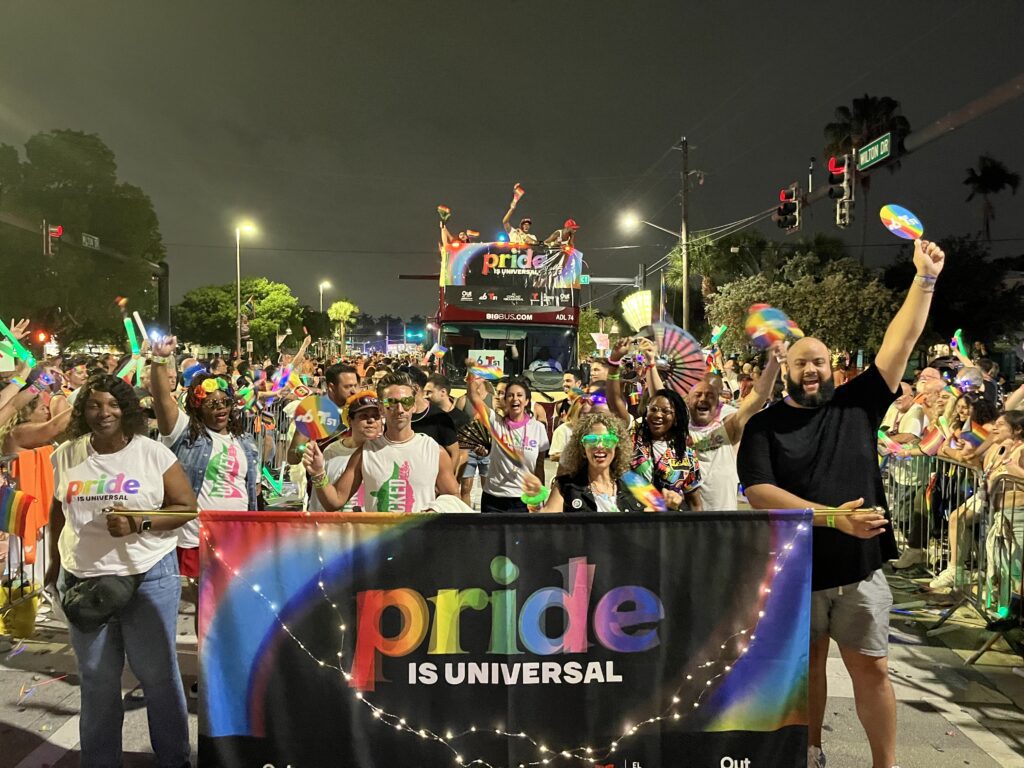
point(874, 152)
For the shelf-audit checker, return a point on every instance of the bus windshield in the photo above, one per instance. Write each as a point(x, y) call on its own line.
point(541, 352)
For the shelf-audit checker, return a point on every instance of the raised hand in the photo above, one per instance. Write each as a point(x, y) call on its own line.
point(531, 484)
point(313, 459)
point(928, 258)
point(19, 330)
point(165, 346)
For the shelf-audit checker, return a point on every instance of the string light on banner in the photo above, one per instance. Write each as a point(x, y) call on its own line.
point(702, 678)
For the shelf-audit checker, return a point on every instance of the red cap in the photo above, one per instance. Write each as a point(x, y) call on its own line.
point(571, 224)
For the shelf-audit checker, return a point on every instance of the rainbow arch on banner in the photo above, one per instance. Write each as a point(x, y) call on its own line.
point(558, 272)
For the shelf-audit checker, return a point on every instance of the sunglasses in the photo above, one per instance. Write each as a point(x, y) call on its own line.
point(607, 440)
point(391, 402)
point(211, 404)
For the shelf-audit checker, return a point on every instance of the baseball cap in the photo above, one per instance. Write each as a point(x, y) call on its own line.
point(571, 224)
point(360, 401)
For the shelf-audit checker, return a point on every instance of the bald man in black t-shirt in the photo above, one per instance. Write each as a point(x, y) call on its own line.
point(816, 449)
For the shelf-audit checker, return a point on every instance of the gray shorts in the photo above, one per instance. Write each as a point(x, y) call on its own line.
point(854, 615)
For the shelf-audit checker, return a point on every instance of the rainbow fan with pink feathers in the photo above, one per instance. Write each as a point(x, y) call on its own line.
point(680, 360)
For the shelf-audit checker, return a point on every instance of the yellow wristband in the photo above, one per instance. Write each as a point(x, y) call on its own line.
point(830, 520)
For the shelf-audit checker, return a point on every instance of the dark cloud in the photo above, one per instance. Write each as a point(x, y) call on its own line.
point(340, 126)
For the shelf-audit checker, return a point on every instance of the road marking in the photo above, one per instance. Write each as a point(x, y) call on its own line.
point(985, 740)
point(60, 742)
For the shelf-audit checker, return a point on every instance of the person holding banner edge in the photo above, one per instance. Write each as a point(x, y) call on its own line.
point(816, 449)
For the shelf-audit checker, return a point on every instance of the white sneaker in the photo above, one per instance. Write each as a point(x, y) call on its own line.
point(815, 757)
point(945, 580)
point(911, 556)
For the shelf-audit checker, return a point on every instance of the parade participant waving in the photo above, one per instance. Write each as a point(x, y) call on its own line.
point(362, 419)
point(659, 439)
point(715, 436)
point(596, 458)
point(403, 471)
point(219, 459)
point(815, 449)
point(117, 574)
point(518, 429)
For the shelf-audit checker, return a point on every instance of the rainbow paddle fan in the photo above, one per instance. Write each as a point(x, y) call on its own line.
point(680, 359)
point(636, 309)
point(474, 435)
point(766, 325)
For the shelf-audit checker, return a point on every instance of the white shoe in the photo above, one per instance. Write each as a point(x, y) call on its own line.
point(945, 580)
point(911, 556)
point(815, 757)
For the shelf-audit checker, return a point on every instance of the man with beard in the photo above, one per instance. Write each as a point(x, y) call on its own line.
point(816, 449)
point(716, 434)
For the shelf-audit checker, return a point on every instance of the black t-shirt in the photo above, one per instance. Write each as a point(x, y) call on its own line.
point(437, 424)
point(828, 456)
point(459, 418)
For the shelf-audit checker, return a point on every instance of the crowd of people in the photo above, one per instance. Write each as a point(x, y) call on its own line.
point(789, 429)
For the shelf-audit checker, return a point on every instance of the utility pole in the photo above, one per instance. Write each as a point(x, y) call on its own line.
point(684, 237)
point(810, 177)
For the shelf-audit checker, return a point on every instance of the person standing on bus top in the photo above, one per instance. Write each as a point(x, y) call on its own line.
point(520, 234)
point(566, 236)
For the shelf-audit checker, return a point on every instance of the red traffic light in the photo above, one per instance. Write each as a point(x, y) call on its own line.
point(787, 195)
point(837, 165)
point(56, 230)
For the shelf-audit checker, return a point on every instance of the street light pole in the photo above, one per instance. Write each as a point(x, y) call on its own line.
point(323, 285)
point(238, 292)
point(684, 235)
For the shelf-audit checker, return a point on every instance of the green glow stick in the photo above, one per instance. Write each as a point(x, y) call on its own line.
point(277, 486)
point(125, 368)
point(718, 336)
point(19, 350)
point(128, 326)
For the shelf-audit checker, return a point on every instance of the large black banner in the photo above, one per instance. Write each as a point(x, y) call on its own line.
point(568, 640)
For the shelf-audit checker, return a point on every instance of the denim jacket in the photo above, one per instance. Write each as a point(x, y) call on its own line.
point(195, 457)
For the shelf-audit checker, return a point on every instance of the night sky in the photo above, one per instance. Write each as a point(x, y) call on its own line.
point(339, 126)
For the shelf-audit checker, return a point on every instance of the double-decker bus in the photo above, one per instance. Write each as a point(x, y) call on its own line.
point(510, 305)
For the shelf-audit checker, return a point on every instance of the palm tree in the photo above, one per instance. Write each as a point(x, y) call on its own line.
point(866, 119)
point(991, 178)
point(342, 312)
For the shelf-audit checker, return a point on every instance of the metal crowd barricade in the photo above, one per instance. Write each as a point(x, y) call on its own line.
point(924, 493)
point(1003, 577)
point(22, 581)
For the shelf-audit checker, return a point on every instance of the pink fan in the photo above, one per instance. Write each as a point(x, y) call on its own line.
point(680, 360)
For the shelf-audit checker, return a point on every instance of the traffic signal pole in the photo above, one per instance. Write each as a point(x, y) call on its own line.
point(684, 238)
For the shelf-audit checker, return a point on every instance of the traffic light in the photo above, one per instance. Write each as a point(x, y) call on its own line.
point(42, 337)
point(840, 188)
point(787, 215)
point(51, 232)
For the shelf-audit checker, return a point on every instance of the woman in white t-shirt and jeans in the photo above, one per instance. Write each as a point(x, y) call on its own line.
point(503, 485)
point(109, 464)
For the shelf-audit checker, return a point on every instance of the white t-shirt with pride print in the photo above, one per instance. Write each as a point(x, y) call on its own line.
point(400, 477)
point(224, 482)
point(87, 482)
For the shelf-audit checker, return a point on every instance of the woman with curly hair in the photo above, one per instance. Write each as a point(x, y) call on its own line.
point(208, 437)
point(117, 574)
point(595, 461)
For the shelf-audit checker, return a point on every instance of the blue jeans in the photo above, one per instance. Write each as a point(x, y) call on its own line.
point(145, 630)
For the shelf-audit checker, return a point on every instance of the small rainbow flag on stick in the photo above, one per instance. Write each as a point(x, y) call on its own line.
point(977, 435)
point(14, 507)
point(644, 492)
point(931, 441)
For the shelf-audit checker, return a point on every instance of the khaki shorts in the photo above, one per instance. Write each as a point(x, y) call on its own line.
point(854, 615)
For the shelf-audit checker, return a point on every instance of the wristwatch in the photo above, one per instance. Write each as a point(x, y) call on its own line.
point(147, 524)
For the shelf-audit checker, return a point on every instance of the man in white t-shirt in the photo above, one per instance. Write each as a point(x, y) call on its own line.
point(904, 424)
point(362, 420)
point(716, 431)
point(403, 471)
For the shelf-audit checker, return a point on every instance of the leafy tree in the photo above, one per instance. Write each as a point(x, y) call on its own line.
point(991, 178)
point(972, 293)
point(590, 322)
point(342, 312)
point(836, 300)
point(70, 178)
point(317, 324)
point(206, 315)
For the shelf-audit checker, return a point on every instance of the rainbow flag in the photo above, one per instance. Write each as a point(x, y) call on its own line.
point(644, 492)
point(931, 441)
point(490, 372)
point(14, 507)
point(891, 445)
point(500, 438)
point(977, 435)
